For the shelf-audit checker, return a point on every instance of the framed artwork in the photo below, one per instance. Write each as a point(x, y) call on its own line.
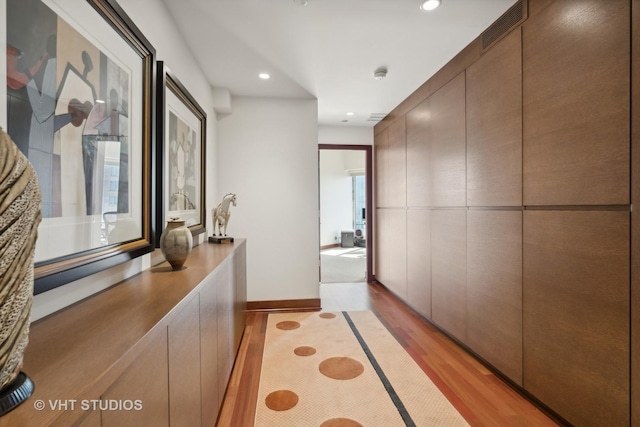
point(79, 98)
point(181, 140)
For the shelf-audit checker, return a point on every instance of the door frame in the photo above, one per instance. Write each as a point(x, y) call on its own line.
point(368, 149)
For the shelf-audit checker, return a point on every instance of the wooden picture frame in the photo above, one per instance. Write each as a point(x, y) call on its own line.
point(80, 96)
point(180, 155)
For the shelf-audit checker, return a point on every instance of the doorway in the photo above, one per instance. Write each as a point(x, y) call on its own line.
point(346, 236)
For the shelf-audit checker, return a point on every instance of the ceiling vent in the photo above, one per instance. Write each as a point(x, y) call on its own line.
point(376, 117)
point(513, 17)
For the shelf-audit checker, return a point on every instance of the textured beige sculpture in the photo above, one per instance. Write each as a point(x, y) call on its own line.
point(19, 218)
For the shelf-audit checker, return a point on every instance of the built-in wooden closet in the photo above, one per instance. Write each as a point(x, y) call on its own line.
point(503, 204)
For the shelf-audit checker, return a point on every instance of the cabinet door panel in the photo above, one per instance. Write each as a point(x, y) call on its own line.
point(448, 146)
point(382, 268)
point(391, 251)
point(184, 366)
point(224, 299)
point(381, 149)
point(576, 67)
point(397, 166)
point(494, 125)
point(576, 308)
point(449, 271)
point(494, 288)
point(209, 353)
point(397, 255)
point(419, 261)
point(419, 137)
point(239, 283)
point(147, 381)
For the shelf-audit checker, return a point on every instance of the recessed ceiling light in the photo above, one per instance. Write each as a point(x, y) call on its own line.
point(264, 76)
point(350, 113)
point(301, 2)
point(430, 4)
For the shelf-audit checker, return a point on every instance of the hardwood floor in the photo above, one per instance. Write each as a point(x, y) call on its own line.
point(481, 397)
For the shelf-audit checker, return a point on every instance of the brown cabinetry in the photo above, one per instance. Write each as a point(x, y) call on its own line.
point(494, 125)
point(391, 256)
point(419, 137)
point(576, 313)
point(494, 288)
point(143, 387)
point(381, 177)
point(435, 133)
point(449, 271)
point(156, 349)
point(390, 160)
point(419, 260)
point(397, 165)
point(184, 366)
point(211, 398)
point(224, 315)
point(576, 86)
point(518, 206)
point(448, 146)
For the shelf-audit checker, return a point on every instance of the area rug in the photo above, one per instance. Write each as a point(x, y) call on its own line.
point(343, 369)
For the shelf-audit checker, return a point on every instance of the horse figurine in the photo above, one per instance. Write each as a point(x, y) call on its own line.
point(221, 214)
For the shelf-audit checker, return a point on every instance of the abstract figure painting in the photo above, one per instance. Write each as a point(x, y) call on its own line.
point(181, 135)
point(78, 97)
point(182, 173)
point(75, 100)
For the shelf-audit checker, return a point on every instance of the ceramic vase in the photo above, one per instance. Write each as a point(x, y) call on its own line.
point(20, 215)
point(176, 243)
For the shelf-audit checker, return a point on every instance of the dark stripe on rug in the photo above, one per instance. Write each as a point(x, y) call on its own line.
point(383, 378)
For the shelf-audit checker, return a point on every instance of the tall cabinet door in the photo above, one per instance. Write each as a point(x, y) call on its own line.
point(447, 157)
point(494, 288)
point(576, 309)
point(390, 162)
point(419, 260)
point(576, 79)
point(449, 271)
point(397, 166)
point(391, 250)
point(419, 137)
point(381, 175)
point(494, 125)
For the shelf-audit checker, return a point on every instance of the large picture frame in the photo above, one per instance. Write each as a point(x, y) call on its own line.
point(180, 155)
point(80, 93)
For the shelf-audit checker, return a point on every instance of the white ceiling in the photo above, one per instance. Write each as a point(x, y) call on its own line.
point(329, 49)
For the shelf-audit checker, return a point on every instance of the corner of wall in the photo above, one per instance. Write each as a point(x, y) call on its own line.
point(221, 101)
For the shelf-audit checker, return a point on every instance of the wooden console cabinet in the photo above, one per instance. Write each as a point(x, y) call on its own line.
point(156, 349)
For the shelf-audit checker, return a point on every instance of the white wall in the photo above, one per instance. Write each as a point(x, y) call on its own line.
point(268, 156)
point(270, 151)
point(153, 19)
point(336, 196)
point(354, 161)
point(345, 135)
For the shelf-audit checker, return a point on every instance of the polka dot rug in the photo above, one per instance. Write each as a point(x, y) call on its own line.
point(343, 370)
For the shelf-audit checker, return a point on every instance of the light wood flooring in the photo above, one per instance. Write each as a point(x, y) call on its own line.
point(481, 397)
